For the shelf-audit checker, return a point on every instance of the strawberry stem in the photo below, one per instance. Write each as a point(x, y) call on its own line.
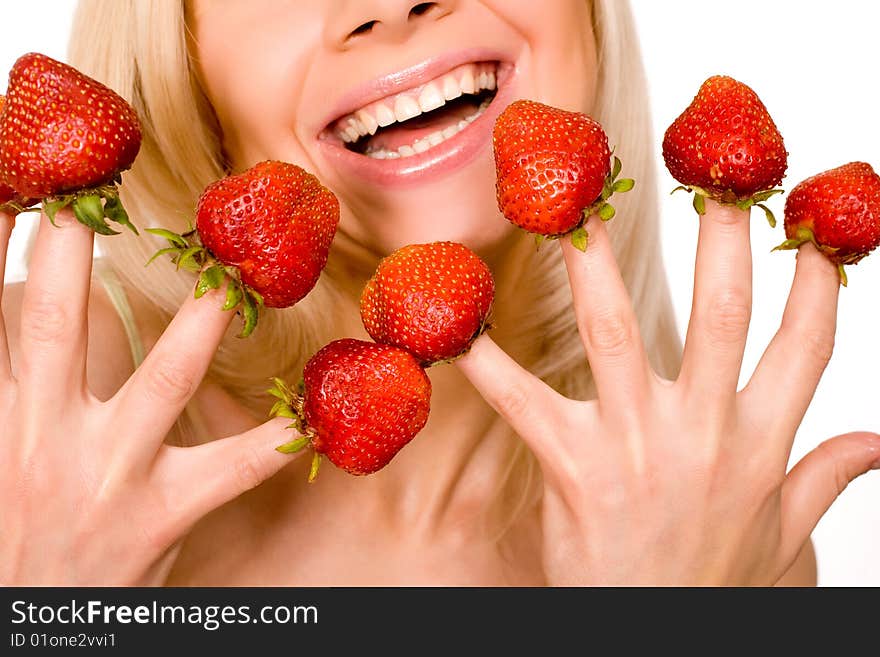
point(92, 207)
point(187, 252)
point(727, 197)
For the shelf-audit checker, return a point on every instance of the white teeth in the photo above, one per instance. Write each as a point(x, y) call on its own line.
point(469, 79)
point(467, 83)
point(431, 98)
point(451, 88)
point(368, 121)
point(405, 108)
point(384, 116)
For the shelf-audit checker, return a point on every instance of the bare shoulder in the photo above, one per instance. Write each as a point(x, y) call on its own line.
point(109, 358)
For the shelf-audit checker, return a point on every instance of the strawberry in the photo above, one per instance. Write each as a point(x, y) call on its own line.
point(65, 139)
point(838, 211)
point(725, 147)
point(267, 230)
point(431, 299)
point(11, 201)
point(359, 403)
point(553, 170)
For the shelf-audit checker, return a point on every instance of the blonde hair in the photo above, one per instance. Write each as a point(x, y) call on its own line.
point(141, 49)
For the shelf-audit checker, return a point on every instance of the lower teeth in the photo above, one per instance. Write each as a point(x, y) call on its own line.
point(431, 140)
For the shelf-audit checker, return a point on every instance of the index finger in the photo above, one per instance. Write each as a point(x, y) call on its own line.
point(154, 397)
point(518, 396)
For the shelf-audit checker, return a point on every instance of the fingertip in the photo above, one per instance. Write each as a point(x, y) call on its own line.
point(725, 214)
point(808, 256)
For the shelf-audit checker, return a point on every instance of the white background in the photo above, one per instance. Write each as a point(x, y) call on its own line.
point(812, 63)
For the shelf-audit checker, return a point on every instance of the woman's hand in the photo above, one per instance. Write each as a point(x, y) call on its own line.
point(682, 482)
point(89, 493)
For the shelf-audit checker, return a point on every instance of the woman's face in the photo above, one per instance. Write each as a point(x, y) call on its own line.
point(391, 103)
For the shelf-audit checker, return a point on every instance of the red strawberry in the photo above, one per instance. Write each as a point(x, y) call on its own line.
point(838, 211)
point(359, 404)
point(267, 229)
point(67, 137)
point(431, 299)
point(725, 147)
point(11, 201)
point(553, 170)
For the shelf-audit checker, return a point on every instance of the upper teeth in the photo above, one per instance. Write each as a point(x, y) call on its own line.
point(466, 79)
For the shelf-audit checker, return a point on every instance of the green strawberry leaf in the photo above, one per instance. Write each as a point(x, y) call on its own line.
point(700, 204)
point(51, 208)
point(607, 212)
point(615, 171)
point(173, 238)
point(293, 446)
point(114, 211)
point(623, 185)
point(250, 312)
point(191, 259)
point(580, 238)
point(161, 252)
point(760, 197)
point(90, 212)
point(539, 241)
point(769, 214)
point(788, 245)
point(681, 188)
point(233, 295)
point(209, 279)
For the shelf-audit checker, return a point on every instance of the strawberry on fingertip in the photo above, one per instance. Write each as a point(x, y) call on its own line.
point(65, 139)
point(838, 211)
point(726, 147)
point(554, 169)
point(359, 404)
point(266, 230)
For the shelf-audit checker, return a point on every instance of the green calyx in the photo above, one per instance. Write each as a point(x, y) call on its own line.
point(92, 208)
point(612, 185)
point(289, 404)
point(803, 235)
point(728, 198)
point(186, 252)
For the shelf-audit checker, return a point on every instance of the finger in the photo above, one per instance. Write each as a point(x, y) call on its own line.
point(606, 321)
point(152, 399)
point(54, 317)
point(722, 306)
point(518, 396)
point(205, 477)
point(818, 479)
point(793, 363)
point(7, 223)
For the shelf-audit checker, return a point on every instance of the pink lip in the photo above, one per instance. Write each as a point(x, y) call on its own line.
point(440, 160)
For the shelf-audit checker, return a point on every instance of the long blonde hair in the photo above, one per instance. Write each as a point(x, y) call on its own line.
point(142, 49)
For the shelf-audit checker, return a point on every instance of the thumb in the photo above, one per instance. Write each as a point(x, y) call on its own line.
point(816, 481)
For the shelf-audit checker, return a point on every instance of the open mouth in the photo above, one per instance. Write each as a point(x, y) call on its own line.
point(416, 120)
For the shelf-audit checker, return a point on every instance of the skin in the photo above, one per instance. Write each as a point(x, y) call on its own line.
point(655, 482)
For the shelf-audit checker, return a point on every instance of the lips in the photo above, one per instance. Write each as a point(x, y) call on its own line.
point(423, 121)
